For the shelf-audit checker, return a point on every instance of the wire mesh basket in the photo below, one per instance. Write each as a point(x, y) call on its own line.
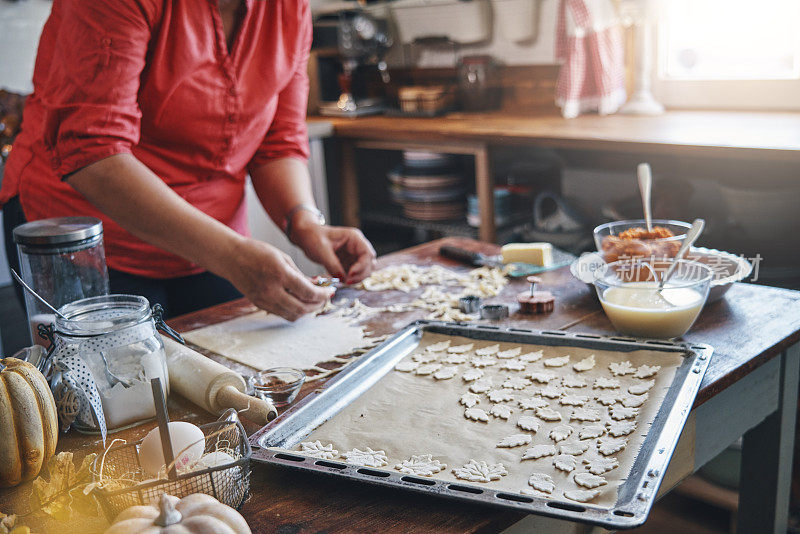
point(229, 483)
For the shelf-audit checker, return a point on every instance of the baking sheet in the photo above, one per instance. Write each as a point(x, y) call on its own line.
point(400, 408)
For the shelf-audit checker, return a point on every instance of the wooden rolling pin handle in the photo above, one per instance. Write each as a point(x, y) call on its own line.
point(254, 409)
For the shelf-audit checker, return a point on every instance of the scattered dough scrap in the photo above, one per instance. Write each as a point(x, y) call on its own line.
point(607, 398)
point(514, 440)
point(428, 368)
point(622, 428)
point(510, 353)
point(635, 401)
point(621, 368)
point(565, 462)
point(541, 482)
point(539, 451)
point(471, 374)
point(481, 386)
point(609, 446)
point(646, 371)
point(586, 364)
point(406, 366)
point(641, 389)
point(446, 373)
point(584, 414)
point(513, 365)
point(455, 359)
point(581, 495)
point(605, 383)
point(590, 481)
point(548, 414)
point(315, 449)
point(469, 399)
point(529, 423)
point(367, 458)
point(570, 381)
point(573, 400)
point(516, 382)
point(598, 466)
point(438, 347)
point(557, 362)
point(483, 361)
point(531, 357)
point(488, 351)
point(541, 377)
point(501, 411)
point(476, 471)
point(500, 395)
point(618, 413)
point(574, 448)
point(550, 392)
point(460, 349)
point(422, 465)
point(424, 357)
point(476, 414)
point(560, 433)
point(591, 432)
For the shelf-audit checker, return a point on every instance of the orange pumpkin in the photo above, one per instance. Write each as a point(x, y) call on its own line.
point(28, 422)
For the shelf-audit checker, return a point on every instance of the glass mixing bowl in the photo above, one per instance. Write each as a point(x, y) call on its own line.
point(614, 248)
point(628, 292)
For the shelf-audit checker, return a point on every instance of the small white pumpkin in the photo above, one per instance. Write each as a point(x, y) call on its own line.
point(194, 514)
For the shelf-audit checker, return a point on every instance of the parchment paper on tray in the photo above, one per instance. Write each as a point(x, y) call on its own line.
point(407, 414)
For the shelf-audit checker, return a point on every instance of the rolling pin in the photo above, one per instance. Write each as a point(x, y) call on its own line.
point(211, 385)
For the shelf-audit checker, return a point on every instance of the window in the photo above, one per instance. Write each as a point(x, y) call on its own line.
point(729, 54)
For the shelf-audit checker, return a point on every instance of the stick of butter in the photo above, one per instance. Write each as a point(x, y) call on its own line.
point(540, 254)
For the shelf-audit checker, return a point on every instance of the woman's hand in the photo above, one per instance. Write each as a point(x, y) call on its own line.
point(344, 252)
point(271, 281)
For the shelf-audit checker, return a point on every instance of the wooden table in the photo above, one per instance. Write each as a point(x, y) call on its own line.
point(749, 389)
point(718, 135)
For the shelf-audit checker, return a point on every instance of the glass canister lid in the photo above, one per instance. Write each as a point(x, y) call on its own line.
point(58, 231)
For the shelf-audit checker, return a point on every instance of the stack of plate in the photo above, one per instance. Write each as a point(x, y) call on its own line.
point(427, 187)
point(502, 208)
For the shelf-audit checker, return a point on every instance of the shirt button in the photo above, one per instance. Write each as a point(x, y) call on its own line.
point(106, 41)
point(232, 118)
point(232, 91)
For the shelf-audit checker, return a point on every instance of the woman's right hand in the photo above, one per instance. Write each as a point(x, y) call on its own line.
point(270, 280)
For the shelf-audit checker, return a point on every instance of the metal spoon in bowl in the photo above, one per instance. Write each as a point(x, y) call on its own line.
point(30, 290)
point(645, 187)
point(691, 236)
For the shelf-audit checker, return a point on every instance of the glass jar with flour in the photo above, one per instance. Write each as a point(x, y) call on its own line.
point(106, 352)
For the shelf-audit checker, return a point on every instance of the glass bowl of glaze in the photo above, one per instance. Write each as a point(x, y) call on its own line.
point(279, 385)
point(628, 292)
point(621, 240)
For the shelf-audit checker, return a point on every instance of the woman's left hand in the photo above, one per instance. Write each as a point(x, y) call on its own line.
point(344, 252)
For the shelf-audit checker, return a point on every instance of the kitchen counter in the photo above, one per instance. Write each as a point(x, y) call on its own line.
point(712, 133)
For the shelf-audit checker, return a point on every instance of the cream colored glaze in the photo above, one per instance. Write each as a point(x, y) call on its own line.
point(636, 308)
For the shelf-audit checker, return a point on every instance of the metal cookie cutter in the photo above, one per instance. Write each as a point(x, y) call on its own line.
point(469, 304)
point(494, 312)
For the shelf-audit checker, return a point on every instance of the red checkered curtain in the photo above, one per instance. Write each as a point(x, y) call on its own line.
point(589, 42)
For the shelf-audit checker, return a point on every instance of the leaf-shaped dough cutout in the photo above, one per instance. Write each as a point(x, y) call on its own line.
point(598, 466)
point(529, 423)
point(476, 414)
point(471, 375)
point(469, 399)
point(646, 371)
point(538, 451)
point(510, 353)
point(488, 351)
point(560, 433)
point(514, 440)
point(559, 361)
point(421, 465)
point(641, 389)
point(586, 364)
point(621, 368)
point(589, 481)
point(548, 414)
point(581, 495)
point(565, 462)
point(406, 366)
point(541, 482)
point(480, 471)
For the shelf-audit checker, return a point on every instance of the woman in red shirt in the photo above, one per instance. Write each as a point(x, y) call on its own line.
point(149, 114)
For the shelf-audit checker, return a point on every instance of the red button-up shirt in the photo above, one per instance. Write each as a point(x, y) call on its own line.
point(154, 78)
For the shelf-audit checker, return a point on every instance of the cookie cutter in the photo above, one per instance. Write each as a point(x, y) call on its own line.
point(469, 304)
point(494, 312)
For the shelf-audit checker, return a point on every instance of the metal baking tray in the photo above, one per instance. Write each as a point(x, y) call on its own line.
point(635, 495)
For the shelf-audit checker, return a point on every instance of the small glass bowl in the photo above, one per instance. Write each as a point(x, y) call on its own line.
point(613, 248)
point(627, 292)
point(279, 385)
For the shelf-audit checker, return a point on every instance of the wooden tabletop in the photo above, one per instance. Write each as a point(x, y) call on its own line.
point(714, 133)
point(747, 328)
